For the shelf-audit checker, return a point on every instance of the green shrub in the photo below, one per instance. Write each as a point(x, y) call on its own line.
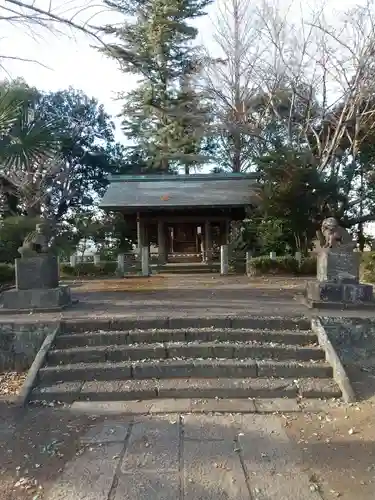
point(106, 268)
point(368, 267)
point(308, 266)
point(66, 271)
point(88, 270)
point(6, 274)
point(282, 265)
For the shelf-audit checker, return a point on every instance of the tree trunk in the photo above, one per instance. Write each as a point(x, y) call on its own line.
point(238, 105)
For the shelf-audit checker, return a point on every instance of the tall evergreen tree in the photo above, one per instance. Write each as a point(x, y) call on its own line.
point(164, 116)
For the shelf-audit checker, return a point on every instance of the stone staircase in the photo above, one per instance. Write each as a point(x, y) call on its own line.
point(185, 358)
point(189, 268)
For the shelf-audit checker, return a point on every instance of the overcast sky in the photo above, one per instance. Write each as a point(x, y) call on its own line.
point(72, 62)
point(68, 61)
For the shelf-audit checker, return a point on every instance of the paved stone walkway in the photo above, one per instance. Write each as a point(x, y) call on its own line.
point(186, 296)
point(186, 457)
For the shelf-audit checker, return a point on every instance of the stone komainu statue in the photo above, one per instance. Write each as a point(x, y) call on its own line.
point(35, 243)
point(336, 236)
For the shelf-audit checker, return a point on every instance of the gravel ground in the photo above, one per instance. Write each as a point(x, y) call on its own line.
point(11, 383)
point(35, 444)
point(338, 448)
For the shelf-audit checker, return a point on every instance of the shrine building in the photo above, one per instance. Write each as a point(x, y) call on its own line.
point(186, 215)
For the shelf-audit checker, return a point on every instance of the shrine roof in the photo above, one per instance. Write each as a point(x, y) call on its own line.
point(129, 193)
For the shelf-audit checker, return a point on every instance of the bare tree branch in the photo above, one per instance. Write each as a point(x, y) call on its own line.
point(56, 17)
point(233, 79)
point(328, 73)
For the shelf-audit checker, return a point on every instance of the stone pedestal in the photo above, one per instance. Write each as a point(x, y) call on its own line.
point(337, 282)
point(37, 272)
point(37, 286)
point(339, 292)
point(336, 266)
point(43, 299)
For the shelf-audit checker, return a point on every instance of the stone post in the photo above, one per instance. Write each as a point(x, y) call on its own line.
point(145, 254)
point(298, 257)
point(224, 261)
point(161, 242)
point(96, 259)
point(73, 260)
point(273, 255)
point(249, 256)
point(121, 263)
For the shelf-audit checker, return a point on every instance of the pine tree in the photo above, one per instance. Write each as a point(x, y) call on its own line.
point(192, 113)
point(164, 116)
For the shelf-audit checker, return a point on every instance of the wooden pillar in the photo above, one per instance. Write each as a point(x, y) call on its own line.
point(197, 241)
point(208, 240)
point(201, 243)
point(227, 231)
point(171, 234)
point(142, 239)
point(162, 242)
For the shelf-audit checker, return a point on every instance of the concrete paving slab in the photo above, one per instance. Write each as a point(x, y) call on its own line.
point(153, 445)
point(89, 476)
point(269, 486)
point(272, 464)
point(210, 427)
point(148, 485)
point(107, 432)
point(6, 430)
point(265, 445)
point(212, 470)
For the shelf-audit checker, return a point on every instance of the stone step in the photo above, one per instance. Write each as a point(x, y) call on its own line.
point(183, 350)
point(229, 388)
point(108, 338)
point(168, 368)
point(188, 270)
point(70, 326)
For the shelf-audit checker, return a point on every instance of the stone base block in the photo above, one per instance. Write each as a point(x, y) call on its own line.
point(335, 265)
point(43, 299)
point(338, 306)
point(347, 293)
point(41, 271)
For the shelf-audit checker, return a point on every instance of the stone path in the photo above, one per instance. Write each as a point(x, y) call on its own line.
point(186, 457)
point(186, 296)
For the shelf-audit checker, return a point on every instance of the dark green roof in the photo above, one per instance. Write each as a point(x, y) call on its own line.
point(178, 191)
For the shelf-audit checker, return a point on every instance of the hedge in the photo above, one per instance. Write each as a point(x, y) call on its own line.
point(88, 269)
point(83, 270)
point(368, 267)
point(7, 276)
point(282, 265)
